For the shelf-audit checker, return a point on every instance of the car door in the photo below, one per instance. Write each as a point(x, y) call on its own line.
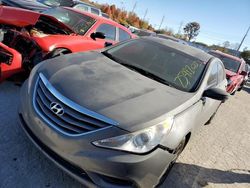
point(216, 79)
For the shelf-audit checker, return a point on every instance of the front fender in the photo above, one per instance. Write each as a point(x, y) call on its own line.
point(185, 123)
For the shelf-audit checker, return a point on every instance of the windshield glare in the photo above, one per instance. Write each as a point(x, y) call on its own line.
point(174, 67)
point(229, 63)
point(79, 23)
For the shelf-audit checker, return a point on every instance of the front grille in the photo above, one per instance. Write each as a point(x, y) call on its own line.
point(75, 120)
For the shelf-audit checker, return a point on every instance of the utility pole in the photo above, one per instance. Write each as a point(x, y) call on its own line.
point(243, 39)
point(146, 12)
point(179, 30)
point(133, 10)
point(163, 17)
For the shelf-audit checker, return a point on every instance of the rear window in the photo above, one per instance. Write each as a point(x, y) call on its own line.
point(95, 11)
point(81, 7)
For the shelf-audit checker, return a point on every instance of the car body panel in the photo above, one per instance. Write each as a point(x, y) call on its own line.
point(9, 15)
point(47, 43)
point(129, 98)
point(7, 70)
point(125, 104)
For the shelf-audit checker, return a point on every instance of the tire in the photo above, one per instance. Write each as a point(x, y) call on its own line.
point(233, 93)
point(240, 88)
point(57, 52)
point(178, 151)
point(210, 119)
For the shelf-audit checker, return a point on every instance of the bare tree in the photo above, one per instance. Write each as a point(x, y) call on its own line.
point(192, 29)
point(226, 44)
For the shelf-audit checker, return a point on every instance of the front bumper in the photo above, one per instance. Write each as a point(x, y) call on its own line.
point(93, 166)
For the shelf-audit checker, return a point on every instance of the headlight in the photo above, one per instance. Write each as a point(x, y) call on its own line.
point(140, 141)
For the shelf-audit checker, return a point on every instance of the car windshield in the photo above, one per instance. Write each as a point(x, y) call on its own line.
point(229, 63)
point(79, 23)
point(159, 62)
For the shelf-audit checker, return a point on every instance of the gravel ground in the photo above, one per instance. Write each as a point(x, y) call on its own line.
point(219, 156)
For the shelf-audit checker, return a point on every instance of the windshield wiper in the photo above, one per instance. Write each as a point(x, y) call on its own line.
point(146, 73)
point(110, 56)
point(137, 69)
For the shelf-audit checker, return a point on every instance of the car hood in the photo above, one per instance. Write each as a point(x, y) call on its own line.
point(22, 18)
point(101, 85)
point(230, 73)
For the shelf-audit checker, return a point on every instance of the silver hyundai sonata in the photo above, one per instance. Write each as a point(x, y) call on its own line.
point(121, 116)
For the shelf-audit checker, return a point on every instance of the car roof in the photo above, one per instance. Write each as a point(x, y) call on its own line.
point(227, 55)
point(189, 50)
point(99, 18)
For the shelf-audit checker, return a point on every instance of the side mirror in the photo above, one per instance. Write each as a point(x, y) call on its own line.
point(106, 44)
point(98, 35)
point(217, 94)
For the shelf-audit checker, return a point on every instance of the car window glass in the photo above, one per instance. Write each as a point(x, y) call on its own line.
point(167, 64)
point(95, 11)
point(123, 35)
point(81, 7)
point(108, 30)
point(78, 22)
point(229, 63)
point(212, 80)
point(221, 73)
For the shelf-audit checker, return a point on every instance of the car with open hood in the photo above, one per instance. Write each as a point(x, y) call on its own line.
point(235, 70)
point(28, 37)
point(121, 116)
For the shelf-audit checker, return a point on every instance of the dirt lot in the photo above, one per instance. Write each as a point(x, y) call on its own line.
point(219, 156)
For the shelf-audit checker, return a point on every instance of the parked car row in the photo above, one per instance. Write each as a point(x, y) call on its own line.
point(110, 117)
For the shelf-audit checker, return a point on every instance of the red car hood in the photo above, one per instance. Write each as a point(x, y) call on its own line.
point(230, 73)
point(21, 17)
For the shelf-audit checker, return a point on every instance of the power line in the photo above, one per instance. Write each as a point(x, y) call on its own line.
point(146, 12)
point(133, 10)
point(163, 17)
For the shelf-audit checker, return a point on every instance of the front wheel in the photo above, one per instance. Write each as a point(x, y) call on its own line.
point(177, 153)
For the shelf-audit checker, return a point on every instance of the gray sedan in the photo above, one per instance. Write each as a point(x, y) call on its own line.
point(120, 117)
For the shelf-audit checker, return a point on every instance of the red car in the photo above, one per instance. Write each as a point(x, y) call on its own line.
point(235, 70)
point(27, 37)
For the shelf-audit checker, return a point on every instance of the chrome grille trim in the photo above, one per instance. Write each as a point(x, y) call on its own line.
point(76, 120)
